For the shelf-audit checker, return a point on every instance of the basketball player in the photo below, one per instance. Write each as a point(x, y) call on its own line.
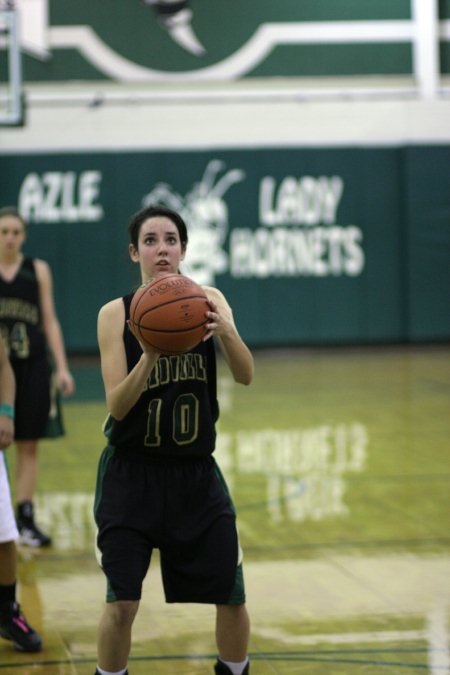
point(13, 625)
point(29, 325)
point(158, 485)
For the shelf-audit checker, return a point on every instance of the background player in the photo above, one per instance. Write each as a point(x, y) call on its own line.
point(13, 625)
point(29, 326)
point(158, 485)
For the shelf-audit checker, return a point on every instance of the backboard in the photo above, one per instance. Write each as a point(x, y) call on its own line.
point(11, 97)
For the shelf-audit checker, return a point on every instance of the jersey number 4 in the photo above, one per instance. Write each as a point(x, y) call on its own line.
point(16, 341)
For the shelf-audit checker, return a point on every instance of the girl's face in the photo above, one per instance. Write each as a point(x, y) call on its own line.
point(12, 235)
point(159, 250)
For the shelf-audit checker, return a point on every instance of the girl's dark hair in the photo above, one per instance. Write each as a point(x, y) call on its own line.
point(12, 211)
point(152, 211)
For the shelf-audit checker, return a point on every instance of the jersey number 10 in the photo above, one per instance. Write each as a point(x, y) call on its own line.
point(185, 417)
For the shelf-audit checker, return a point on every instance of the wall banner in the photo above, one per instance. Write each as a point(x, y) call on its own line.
point(310, 246)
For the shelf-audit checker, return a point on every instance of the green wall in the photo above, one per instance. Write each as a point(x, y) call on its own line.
point(311, 246)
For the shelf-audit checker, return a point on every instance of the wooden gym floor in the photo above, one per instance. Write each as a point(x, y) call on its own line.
point(339, 464)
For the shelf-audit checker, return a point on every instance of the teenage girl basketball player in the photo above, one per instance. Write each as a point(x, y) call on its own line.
point(30, 328)
point(158, 485)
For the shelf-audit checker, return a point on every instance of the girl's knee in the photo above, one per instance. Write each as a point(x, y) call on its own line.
point(122, 612)
point(231, 610)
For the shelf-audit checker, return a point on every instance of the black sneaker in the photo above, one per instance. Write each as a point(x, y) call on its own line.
point(221, 669)
point(31, 535)
point(14, 627)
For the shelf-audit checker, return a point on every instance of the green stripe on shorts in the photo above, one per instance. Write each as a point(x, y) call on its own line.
point(237, 596)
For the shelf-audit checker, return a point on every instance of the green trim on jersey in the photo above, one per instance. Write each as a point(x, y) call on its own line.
point(106, 455)
point(110, 595)
point(223, 482)
point(55, 422)
point(237, 596)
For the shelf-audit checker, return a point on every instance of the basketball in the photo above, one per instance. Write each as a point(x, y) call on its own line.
point(169, 313)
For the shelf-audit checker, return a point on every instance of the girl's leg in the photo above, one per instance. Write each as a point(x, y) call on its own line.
point(114, 634)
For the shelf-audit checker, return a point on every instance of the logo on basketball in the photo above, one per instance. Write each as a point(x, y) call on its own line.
point(175, 286)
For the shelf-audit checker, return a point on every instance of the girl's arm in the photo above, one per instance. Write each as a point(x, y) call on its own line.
point(221, 324)
point(122, 389)
point(52, 328)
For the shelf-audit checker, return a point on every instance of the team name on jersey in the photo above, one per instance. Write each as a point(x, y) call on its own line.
point(178, 368)
point(14, 308)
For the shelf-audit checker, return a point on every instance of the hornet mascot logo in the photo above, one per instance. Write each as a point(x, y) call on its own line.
point(205, 210)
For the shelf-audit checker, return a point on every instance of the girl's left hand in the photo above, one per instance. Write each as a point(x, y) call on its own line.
point(65, 382)
point(217, 321)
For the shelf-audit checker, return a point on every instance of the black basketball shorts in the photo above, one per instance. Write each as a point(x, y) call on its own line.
point(32, 402)
point(179, 506)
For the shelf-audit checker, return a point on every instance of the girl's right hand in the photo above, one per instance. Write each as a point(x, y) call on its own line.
point(146, 348)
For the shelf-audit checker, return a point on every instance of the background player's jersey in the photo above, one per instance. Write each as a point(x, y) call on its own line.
point(20, 314)
point(177, 411)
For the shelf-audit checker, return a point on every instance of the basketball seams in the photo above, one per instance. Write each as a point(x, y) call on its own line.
point(171, 331)
point(171, 302)
point(143, 290)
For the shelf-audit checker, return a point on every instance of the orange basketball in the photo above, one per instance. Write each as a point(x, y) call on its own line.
point(169, 313)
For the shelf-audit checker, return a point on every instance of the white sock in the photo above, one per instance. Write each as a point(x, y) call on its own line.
point(108, 672)
point(236, 668)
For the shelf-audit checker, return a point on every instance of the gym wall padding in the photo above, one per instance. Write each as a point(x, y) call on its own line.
point(310, 245)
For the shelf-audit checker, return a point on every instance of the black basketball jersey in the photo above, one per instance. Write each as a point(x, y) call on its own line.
point(20, 314)
point(176, 413)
